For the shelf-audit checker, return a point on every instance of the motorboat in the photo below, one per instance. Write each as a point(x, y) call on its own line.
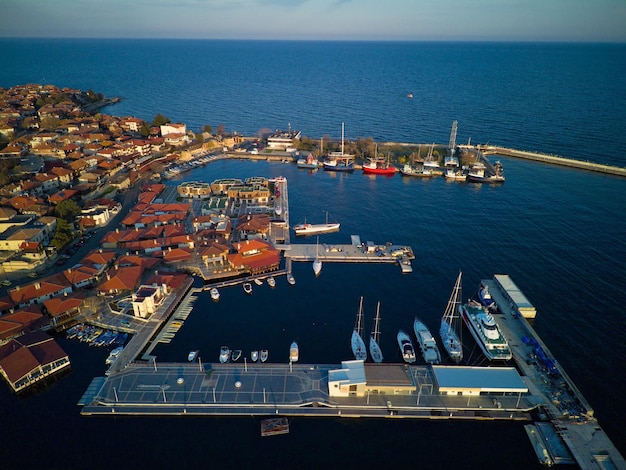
point(419, 171)
point(375, 351)
point(113, 355)
point(450, 324)
point(486, 299)
point(254, 355)
point(358, 345)
point(235, 355)
point(215, 294)
point(290, 279)
point(192, 356)
point(478, 174)
point(294, 352)
point(258, 282)
point(406, 347)
point(427, 342)
point(455, 174)
point(271, 281)
point(310, 162)
point(247, 288)
point(224, 354)
point(378, 166)
point(264, 355)
point(485, 331)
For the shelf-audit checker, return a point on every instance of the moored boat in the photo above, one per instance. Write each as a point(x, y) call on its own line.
point(258, 282)
point(317, 263)
point(378, 166)
point(375, 351)
point(271, 281)
point(247, 288)
point(310, 162)
point(224, 354)
point(406, 347)
point(264, 355)
point(428, 345)
point(305, 228)
point(235, 354)
point(254, 355)
point(113, 355)
point(339, 161)
point(290, 279)
point(192, 355)
point(485, 331)
point(215, 294)
point(294, 352)
point(450, 324)
point(485, 298)
point(358, 345)
point(478, 174)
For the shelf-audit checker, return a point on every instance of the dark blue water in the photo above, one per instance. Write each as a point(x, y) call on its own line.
point(558, 232)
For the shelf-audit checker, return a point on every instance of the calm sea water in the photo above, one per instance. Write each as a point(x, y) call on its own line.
point(558, 232)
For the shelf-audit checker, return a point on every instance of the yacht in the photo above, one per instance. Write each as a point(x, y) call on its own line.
point(406, 347)
point(486, 299)
point(358, 345)
point(427, 343)
point(113, 355)
point(235, 355)
point(192, 355)
point(305, 228)
point(215, 294)
point(258, 282)
point(247, 288)
point(290, 279)
point(339, 161)
point(485, 331)
point(224, 354)
point(264, 355)
point(254, 355)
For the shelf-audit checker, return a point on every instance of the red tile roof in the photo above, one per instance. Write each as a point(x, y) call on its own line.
point(59, 305)
point(122, 279)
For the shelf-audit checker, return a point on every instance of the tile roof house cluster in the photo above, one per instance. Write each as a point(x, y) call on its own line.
point(254, 257)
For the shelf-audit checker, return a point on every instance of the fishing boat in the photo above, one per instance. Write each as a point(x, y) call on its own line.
point(485, 331)
point(358, 345)
point(224, 354)
point(114, 354)
point(339, 161)
point(406, 347)
point(375, 351)
point(271, 281)
point(274, 426)
point(192, 355)
point(478, 174)
point(310, 162)
point(247, 288)
point(317, 263)
point(378, 166)
point(427, 342)
point(485, 298)
point(418, 171)
point(254, 355)
point(450, 324)
point(290, 279)
point(235, 355)
point(215, 294)
point(431, 165)
point(294, 352)
point(455, 174)
point(264, 355)
point(305, 228)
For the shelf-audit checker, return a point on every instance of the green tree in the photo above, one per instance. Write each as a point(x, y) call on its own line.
point(67, 210)
point(208, 129)
point(199, 137)
point(220, 129)
point(159, 120)
point(144, 130)
point(63, 234)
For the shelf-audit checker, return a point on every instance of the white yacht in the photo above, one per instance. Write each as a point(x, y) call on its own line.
point(427, 343)
point(406, 347)
point(224, 354)
point(450, 324)
point(485, 331)
point(215, 294)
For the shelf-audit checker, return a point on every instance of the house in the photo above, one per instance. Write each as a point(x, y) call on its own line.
point(254, 257)
point(283, 140)
point(82, 275)
point(121, 279)
point(30, 358)
point(253, 226)
point(21, 322)
point(39, 291)
point(63, 308)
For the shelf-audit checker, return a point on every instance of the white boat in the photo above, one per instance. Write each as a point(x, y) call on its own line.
point(192, 355)
point(247, 288)
point(339, 161)
point(358, 345)
point(114, 354)
point(271, 281)
point(294, 352)
point(254, 355)
point(375, 351)
point(290, 279)
point(478, 174)
point(427, 342)
point(215, 294)
point(485, 331)
point(264, 355)
point(258, 282)
point(317, 263)
point(486, 299)
point(224, 354)
point(406, 347)
point(455, 174)
point(450, 324)
point(235, 355)
point(312, 229)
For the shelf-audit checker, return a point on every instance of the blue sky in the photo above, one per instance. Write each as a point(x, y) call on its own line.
point(430, 20)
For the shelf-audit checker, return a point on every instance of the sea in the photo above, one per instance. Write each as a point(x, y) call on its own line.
point(558, 232)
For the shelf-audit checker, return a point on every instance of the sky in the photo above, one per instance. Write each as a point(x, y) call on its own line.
point(404, 20)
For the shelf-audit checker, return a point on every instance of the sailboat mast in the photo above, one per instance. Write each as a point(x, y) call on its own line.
point(342, 138)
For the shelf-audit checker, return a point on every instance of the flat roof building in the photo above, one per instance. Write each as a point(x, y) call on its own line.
point(465, 380)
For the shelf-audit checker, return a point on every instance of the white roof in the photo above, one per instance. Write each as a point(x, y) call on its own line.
point(482, 379)
point(352, 372)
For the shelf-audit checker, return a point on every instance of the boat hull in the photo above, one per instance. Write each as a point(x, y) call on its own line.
point(390, 171)
point(358, 347)
point(314, 229)
point(406, 347)
point(492, 349)
point(375, 351)
point(428, 345)
point(450, 341)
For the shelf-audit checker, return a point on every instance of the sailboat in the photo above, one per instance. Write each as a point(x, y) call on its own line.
point(358, 345)
point(450, 324)
point(317, 263)
point(375, 351)
point(310, 229)
point(339, 161)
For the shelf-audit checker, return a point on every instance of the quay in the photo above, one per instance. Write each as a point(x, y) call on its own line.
point(555, 160)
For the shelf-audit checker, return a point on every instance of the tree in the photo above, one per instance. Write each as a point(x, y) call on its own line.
point(67, 210)
point(199, 137)
point(63, 234)
point(208, 129)
point(220, 129)
point(144, 130)
point(159, 120)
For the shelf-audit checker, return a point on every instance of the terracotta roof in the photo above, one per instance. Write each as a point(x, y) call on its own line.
point(99, 257)
point(172, 280)
point(175, 254)
point(251, 245)
point(59, 305)
point(122, 279)
point(38, 289)
point(62, 196)
point(81, 273)
point(26, 353)
point(255, 262)
point(146, 197)
point(134, 260)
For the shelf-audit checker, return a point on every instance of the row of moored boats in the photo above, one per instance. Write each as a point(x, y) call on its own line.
point(477, 316)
